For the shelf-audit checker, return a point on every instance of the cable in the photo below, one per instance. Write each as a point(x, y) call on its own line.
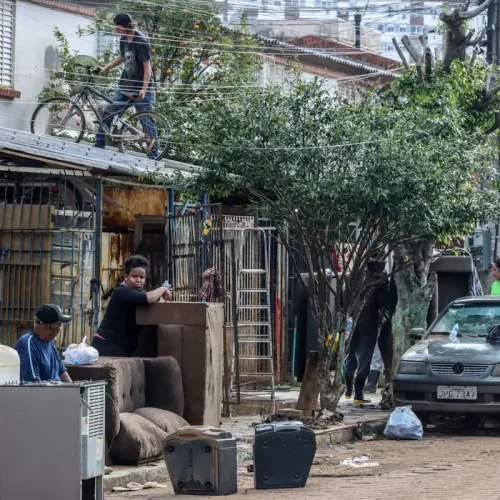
point(196, 42)
point(183, 87)
point(246, 148)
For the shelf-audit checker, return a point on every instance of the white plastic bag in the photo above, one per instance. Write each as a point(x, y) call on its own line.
point(81, 354)
point(403, 424)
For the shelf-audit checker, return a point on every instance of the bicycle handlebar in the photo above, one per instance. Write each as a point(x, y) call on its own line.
point(91, 70)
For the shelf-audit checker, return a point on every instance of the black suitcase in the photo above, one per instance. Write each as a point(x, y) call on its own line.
point(283, 454)
point(201, 461)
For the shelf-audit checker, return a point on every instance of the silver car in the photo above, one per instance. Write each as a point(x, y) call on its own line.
point(437, 376)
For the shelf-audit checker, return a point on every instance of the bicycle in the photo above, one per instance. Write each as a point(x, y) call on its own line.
point(67, 120)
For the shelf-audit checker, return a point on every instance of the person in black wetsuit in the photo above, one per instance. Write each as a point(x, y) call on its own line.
point(384, 339)
point(364, 337)
point(118, 332)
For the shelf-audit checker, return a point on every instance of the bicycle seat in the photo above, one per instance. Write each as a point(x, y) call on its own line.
point(130, 95)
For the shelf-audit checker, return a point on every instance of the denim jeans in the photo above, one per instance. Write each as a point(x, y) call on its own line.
point(377, 361)
point(122, 103)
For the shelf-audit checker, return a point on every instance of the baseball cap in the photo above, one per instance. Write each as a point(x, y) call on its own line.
point(50, 313)
point(123, 19)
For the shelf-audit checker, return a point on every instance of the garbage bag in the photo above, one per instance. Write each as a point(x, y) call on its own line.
point(80, 354)
point(403, 424)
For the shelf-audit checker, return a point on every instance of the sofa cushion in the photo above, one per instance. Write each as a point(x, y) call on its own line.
point(139, 439)
point(167, 421)
point(131, 379)
point(164, 384)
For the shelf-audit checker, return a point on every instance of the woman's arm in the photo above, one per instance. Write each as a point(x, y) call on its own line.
point(155, 295)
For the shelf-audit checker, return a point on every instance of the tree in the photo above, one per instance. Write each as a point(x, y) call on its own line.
point(315, 166)
point(461, 81)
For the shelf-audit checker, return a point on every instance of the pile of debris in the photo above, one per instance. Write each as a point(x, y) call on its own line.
point(321, 420)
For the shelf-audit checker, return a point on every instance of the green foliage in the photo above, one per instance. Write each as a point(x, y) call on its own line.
point(314, 166)
point(414, 168)
point(402, 171)
point(459, 89)
point(65, 81)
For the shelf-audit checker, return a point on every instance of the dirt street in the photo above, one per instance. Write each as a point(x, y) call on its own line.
point(440, 466)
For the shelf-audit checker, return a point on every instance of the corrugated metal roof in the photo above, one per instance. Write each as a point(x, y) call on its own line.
point(340, 60)
point(69, 154)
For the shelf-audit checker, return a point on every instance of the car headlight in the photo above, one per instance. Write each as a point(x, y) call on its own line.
point(496, 371)
point(412, 367)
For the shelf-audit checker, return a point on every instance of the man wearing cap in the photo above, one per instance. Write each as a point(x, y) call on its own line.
point(37, 351)
point(137, 79)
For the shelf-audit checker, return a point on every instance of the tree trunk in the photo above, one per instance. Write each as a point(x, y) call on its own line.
point(331, 386)
point(415, 286)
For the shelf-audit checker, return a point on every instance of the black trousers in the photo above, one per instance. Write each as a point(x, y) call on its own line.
point(105, 348)
point(360, 353)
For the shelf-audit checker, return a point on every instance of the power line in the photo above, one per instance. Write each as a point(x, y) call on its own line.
point(236, 147)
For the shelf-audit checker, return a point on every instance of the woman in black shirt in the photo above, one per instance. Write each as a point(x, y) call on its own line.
point(118, 332)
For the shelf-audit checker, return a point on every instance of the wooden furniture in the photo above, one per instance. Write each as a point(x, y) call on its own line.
point(192, 333)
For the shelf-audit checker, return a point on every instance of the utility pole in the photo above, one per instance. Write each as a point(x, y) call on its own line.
point(357, 25)
point(492, 36)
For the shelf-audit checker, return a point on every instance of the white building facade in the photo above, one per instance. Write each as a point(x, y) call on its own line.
point(397, 20)
point(29, 52)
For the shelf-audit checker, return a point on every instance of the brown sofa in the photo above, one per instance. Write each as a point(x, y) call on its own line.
point(192, 333)
point(144, 403)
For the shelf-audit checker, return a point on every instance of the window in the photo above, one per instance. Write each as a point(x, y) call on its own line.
point(105, 42)
point(6, 41)
point(472, 319)
point(402, 29)
point(416, 29)
point(390, 29)
point(380, 27)
point(349, 92)
point(343, 14)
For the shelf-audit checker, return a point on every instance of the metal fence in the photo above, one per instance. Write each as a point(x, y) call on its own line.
point(47, 232)
point(195, 245)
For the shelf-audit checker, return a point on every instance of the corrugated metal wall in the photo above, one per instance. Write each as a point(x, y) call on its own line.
point(47, 235)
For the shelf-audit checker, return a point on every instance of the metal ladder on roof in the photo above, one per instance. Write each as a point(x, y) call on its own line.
point(254, 343)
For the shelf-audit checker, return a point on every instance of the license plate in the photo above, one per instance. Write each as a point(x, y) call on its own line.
point(456, 392)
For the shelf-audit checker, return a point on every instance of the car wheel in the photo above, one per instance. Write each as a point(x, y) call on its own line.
point(472, 422)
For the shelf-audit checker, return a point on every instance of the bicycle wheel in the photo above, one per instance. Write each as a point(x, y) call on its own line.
point(137, 135)
point(59, 117)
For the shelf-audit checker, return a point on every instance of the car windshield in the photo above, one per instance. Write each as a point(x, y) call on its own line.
point(472, 319)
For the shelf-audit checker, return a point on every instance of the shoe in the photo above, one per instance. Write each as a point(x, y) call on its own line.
point(349, 385)
point(372, 382)
point(359, 385)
